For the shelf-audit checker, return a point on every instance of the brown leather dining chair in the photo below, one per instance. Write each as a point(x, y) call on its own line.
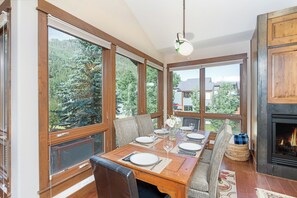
point(116, 181)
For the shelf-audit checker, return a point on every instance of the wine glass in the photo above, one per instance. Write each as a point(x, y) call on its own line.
point(192, 126)
point(167, 145)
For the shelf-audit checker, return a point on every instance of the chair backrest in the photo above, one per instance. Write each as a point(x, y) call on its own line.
point(145, 124)
point(188, 120)
point(126, 130)
point(219, 136)
point(113, 180)
point(216, 159)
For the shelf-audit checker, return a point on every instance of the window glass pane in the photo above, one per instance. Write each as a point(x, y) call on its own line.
point(75, 81)
point(151, 89)
point(155, 122)
point(126, 87)
point(215, 124)
point(222, 89)
point(186, 90)
point(70, 153)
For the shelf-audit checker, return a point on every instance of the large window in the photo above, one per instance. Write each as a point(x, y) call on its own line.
point(126, 87)
point(75, 97)
point(222, 96)
point(75, 81)
point(222, 89)
point(186, 90)
point(154, 93)
point(85, 83)
point(151, 89)
point(72, 119)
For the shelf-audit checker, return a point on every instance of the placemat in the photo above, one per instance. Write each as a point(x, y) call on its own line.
point(176, 150)
point(157, 169)
point(146, 145)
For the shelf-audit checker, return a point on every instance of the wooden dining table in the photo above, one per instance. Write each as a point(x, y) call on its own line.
point(175, 178)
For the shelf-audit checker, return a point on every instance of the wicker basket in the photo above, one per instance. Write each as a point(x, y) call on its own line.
point(238, 152)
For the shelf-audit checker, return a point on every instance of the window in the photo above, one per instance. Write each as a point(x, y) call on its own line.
point(222, 89)
point(222, 96)
point(215, 124)
point(126, 87)
point(151, 89)
point(154, 93)
point(72, 84)
point(75, 97)
point(75, 81)
point(186, 89)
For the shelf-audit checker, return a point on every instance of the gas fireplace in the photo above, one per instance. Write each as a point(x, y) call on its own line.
point(284, 140)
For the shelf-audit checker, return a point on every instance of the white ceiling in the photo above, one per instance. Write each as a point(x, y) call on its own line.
point(208, 22)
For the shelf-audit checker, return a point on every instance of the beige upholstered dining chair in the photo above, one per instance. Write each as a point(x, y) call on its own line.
point(145, 124)
point(205, 178)
point(126, 130)
point(207, 153)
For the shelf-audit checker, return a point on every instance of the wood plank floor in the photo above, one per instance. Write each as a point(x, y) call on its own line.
point(247, 180)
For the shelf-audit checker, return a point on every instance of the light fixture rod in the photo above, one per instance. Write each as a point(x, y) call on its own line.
point(184, 16)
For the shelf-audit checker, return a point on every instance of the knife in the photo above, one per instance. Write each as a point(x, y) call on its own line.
point(158, 162)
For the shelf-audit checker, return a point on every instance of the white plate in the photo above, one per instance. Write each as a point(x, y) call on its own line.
point(190, 146)
point(144, 140)
point(161, 131)
point(144, 159)
point(196, 136)
point(186, 128)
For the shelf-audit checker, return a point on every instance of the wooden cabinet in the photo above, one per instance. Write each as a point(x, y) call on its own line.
point(282, 30)
point(282, 75)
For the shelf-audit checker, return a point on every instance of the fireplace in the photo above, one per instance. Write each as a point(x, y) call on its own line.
point(284, 140)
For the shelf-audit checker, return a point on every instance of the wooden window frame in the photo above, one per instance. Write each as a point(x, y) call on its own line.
point(48, 139)
point(6, 6)
point(202, 114)
point(159, 114)
point(74, 174)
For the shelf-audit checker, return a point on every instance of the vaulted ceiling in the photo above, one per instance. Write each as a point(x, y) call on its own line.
point(208, 22)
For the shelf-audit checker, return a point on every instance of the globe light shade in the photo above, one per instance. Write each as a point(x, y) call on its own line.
point(183, 47)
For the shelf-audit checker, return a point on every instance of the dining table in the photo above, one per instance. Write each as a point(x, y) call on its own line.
point(172, 173)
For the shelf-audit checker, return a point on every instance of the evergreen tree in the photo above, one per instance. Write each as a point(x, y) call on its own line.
point(80, 96)
point(225, 100)
point(195, 98)
point(152, 89)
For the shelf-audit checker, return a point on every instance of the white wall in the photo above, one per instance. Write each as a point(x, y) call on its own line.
point(113, 17)
point(24, 94)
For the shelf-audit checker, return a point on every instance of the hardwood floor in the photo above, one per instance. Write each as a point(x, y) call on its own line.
point(247, 180)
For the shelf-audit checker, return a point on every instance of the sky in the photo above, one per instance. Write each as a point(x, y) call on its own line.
point(218, 73)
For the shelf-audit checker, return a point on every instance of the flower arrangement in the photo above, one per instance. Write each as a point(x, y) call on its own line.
point(173, 122)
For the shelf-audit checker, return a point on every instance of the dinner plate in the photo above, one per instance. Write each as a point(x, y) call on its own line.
point(144, 140)
point(186, 128)
point(188, 146)
point(196, 136)
point(161, 131)
point(144, 159)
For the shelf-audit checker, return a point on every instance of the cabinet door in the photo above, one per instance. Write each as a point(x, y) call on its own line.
point(282, 30)
point(282, 75)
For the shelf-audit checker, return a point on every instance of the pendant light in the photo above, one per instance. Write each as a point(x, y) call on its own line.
point(182, 45)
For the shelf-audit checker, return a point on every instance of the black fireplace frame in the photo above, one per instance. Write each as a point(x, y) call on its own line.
point(273, 157)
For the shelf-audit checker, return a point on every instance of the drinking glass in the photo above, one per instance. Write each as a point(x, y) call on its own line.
point(192, 126)
point(167, 145)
